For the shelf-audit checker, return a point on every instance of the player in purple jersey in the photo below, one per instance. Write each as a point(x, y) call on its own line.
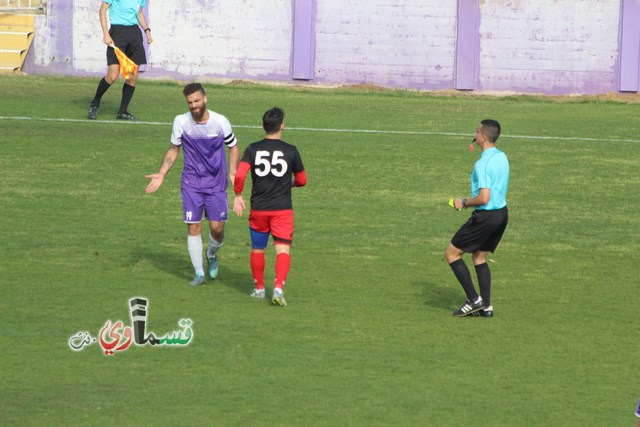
point(202, 134)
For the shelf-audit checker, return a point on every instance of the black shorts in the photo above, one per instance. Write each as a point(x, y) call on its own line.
point(129, 39)
point(482, 231)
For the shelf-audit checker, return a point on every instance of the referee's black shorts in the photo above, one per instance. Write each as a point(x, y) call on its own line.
point(129, 39)
point(483, 231)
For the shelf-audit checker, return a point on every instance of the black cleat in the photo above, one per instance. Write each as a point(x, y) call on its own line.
point(485, 312)
point(93, 110)
point(469, 308)
point(126, 116)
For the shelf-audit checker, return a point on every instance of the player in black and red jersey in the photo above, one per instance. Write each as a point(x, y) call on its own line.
point(275, 167)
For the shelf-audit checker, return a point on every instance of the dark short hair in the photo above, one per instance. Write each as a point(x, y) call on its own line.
point(272, 120)
point(193, 88)
point(491, 129)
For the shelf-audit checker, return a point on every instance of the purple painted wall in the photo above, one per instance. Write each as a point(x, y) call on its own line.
point(630, 46)
point(304, 40)
point(546, 46)
point(467, 45)
point(52, 50)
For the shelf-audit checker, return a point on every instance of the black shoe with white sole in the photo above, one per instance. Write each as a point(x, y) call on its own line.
point(469, 308)
point(485, 312)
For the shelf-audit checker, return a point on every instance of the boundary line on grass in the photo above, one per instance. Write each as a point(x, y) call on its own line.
point(305, 129)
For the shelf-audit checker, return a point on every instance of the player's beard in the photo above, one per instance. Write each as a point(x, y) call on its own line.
point(198, 113)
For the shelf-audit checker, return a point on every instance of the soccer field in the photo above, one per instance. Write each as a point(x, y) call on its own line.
point(368, 337)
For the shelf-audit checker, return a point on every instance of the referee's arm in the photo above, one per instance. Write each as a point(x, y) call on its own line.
point(483, 197)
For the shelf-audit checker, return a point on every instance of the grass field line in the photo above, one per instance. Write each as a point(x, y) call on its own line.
point(305, 129)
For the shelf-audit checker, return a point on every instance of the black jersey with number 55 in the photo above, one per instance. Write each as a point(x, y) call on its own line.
point(272, 164)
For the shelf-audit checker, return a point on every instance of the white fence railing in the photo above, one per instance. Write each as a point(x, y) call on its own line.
point(26, 6)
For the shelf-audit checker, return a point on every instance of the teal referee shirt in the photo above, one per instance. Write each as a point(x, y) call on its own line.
point(124, 12)
point(491, 171)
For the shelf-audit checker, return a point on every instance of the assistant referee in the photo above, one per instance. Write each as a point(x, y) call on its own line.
point(483, 231)
point(123, 23)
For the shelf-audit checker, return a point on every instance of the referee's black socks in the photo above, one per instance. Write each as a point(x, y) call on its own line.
point(127, 94)
point(464, 277)
point(103, 86)
point(484, 282)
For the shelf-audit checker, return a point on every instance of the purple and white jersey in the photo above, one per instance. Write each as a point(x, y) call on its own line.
point(205, 159)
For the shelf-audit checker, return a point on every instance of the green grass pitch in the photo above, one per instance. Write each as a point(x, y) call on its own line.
point(368, 337)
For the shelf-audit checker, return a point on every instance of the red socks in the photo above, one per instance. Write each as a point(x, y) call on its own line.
point(257, 269)
point(283, 263)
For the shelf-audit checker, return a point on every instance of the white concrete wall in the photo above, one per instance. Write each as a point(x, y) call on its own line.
point(89, 52)
point(385, 42)
point(223, 38)
point(541, 46)
point(550, 45)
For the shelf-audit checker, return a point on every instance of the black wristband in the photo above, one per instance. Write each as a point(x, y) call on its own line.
point(147, 29)
point(464, 203)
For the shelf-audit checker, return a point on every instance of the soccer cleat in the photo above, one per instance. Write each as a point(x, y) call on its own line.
point(212, 267)
point(258, 293)
point(278, 297)
point(93, 110)
point(197, 280)
point(469, 308)
point(126, 116)
point(485, 312)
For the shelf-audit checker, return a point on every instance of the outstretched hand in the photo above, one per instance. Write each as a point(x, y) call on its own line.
point(156, 181)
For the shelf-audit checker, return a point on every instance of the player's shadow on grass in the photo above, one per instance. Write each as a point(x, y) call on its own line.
point(240, 281)
point(441, 296)
point(182, 270)
point(164, 261)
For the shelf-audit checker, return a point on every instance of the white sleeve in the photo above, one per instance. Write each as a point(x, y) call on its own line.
point(229, 138)
point(176, 132)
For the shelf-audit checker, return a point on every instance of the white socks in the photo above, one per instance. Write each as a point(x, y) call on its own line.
point(194, 243)
point(213, 247)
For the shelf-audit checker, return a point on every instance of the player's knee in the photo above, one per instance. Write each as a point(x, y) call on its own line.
point(216, 228)
point(451, 254)
point(194, 229)
point(111, 78)
point(479, 258)
point(282, 248)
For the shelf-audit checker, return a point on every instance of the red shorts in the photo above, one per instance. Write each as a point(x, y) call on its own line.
point(278, 223)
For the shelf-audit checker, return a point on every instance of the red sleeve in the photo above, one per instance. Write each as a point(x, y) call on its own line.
point(241, 175)
point(300, 179)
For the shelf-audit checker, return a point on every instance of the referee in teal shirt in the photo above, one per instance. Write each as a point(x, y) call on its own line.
point(483, 231)
point(123, 23)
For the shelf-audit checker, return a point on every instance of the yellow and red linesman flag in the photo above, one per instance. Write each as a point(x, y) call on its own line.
point(127, 66)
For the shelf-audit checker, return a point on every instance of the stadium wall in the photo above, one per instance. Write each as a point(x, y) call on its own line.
point(546, 46)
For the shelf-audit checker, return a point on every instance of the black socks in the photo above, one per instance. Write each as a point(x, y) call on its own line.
point(484, 282)
point(127, 94)
point(464, 277)
point(103, 86)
